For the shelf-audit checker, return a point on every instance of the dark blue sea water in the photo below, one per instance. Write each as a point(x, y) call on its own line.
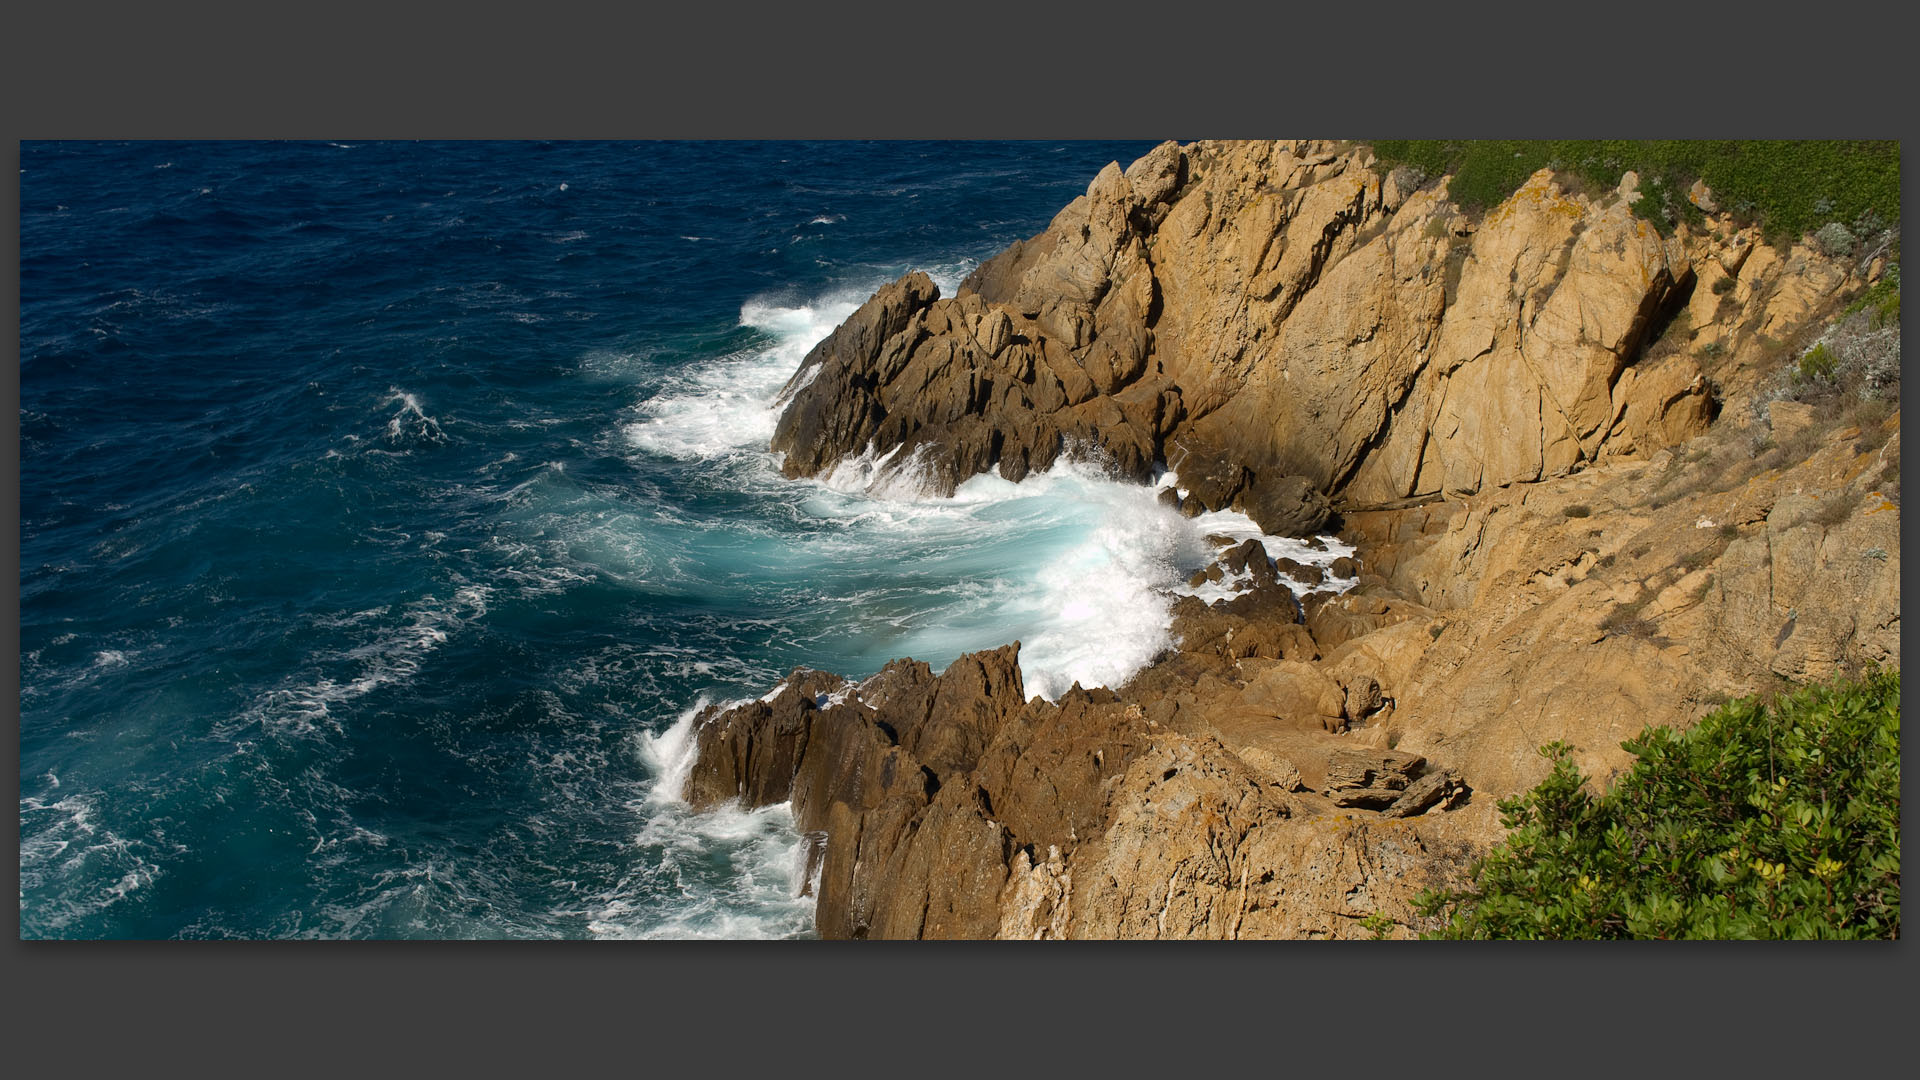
point(386, 509)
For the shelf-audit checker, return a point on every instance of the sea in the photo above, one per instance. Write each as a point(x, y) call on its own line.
point(388, 510)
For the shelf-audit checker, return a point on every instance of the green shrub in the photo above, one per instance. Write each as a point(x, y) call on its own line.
point(1788, 187)
point(1817, 365)
point(1776, 820)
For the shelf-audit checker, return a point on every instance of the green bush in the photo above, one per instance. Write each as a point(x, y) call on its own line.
point(1817, 365)
point(1773, 820)
point(1789, 187)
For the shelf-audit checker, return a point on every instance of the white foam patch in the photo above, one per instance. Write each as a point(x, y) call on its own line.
point(730, 404)
point(670, 754)
point(727, 873)
point(395, 654)
point(410, 426)
point(1080, 568)
point(61, 841)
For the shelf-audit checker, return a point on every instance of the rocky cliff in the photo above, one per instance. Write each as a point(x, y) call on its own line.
point(1514, 418)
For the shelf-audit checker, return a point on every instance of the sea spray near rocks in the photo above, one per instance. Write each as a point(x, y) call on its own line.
point(1079, 564)
point(1254, 779)
point(339, 564)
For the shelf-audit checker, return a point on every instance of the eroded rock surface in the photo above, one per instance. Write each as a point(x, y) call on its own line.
point(1539, 428)
point(1278, 324)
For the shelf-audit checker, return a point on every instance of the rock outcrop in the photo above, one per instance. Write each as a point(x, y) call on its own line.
point(1276, 323)
point(1547, 432)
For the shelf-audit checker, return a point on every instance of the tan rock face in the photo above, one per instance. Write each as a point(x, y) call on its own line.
point(1279, 306)
point(1511, 413)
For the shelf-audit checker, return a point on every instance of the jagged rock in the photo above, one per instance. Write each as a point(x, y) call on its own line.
point(1363, 697)
point(1427, 791)
point(1286, 505)
point(1171, 861)
point(1302, 572)
point(1366, 798)
point(1271, 318)
point(1371, 768)
point(1296, 694)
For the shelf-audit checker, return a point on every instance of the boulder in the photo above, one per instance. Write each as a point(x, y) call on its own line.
point(1286, 505)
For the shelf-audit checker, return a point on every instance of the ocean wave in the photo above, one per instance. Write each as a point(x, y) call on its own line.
point(411, 426)
point(97, 867)
point(730, 405)
point(303, 705)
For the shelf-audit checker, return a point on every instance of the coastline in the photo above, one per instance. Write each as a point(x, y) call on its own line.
point(1304, 765)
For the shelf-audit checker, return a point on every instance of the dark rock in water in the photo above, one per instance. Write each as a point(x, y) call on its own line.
point(838, 413)
point(1314, 543)
point(1258, 565)
point(1169, 498)
point(1298, 571)
point(1211, 476)
point(1234, 559)
point(1286, 505)
point(1344, 567)
point(752, 755)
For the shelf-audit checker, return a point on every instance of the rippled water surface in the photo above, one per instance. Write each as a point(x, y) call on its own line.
point(387, 509)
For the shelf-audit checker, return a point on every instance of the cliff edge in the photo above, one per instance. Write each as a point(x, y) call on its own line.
point(1581, 503)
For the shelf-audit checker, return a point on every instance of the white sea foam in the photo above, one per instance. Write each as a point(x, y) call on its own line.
point(410, 426)
point(61, 840)
point(731, 405)
point(727, 406)
point(304, 704)
point(728, 873)
point(670, 754)
point(1082, 569)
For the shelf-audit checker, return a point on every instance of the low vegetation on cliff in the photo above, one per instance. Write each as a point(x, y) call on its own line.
point(1765, 820)
point(1789, 187)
